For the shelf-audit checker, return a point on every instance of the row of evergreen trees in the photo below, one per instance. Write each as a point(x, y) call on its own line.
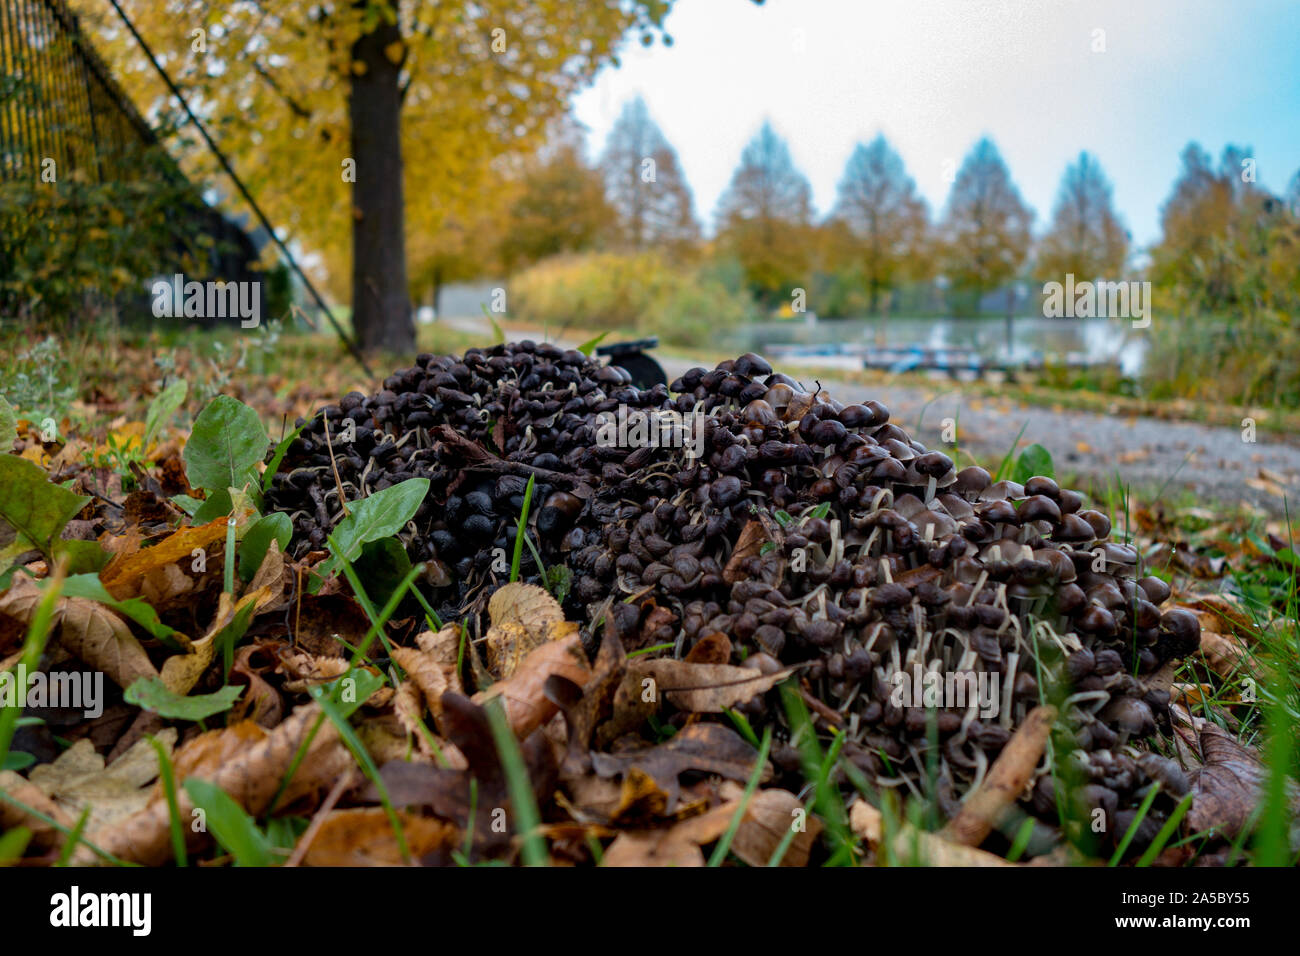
point(880, 235)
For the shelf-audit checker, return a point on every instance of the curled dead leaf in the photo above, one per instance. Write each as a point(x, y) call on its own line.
point(524, 692)
point(523, 617)
point(704, 688)
point(748, 545)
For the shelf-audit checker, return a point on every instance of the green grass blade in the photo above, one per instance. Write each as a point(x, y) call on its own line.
point(518, 786)
point(724, 845)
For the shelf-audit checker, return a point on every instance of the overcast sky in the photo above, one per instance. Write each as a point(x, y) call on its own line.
point(934, 76)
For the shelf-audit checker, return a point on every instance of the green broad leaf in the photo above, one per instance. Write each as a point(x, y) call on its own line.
point(13, 844)
point(784, 518)
point(218, 504)
point(8, 426)
point(233, 828)
point(281, 450)
point(89, 586)
point(381, 567)
point(163, 407)
point(225, 446)
point(17, 760)
point(1034, 460)
point(589, 346)
point(381, 515)
point(33, 510)
point(257, 541)
point(188, 504)
point(84, 557)
point(152, 694)
point(822, 510)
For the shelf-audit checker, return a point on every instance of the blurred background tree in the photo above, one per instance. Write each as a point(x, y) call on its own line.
point(985, 229)
point(352, 121)
point(559, 205)
point(1227, 268)
point(645, 184)
point(887, 222)
point(1086, 237)
point(765, 218)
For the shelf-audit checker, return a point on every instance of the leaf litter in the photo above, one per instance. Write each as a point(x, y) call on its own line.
point(633, 761)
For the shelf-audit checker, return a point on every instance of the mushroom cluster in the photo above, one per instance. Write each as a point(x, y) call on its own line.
point(807, 531)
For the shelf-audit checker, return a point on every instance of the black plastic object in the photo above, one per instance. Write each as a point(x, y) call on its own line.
point(645, 371)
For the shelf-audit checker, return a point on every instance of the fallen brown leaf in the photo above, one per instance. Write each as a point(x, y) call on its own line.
point(524, 692)
point(364, 837)
point(710, 748)
point(1005, 782)
point(246, 761)
point(916, 846)
point(523, 617)
point(705, 688)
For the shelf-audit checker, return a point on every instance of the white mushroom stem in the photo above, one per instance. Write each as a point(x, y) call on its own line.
point(1004, 717)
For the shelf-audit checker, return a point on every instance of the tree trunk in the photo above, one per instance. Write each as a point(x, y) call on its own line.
point(381, 302)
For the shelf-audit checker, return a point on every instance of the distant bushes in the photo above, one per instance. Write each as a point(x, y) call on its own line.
point(641, 293)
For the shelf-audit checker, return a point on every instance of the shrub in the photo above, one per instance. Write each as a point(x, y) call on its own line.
point(629, 294)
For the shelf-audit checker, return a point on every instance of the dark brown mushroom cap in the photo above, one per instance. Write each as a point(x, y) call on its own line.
point(1157, 591)
point(900, 450)
point(1073, 528)
point(1080, 664)
point(1107, 595)
point(999, 511)
point(1038, 508)
point(908, 505)
point(933, 464)
point(1099, 523)
point(1069, 501)
point(957, 507)
point(890, 595)
point(879, 412)
point(1062, 568)
point(889, 469)
point(1183, 629)
point(861, 416)
point(941, 524)
point(1119, 554)
point(1096, 620)
point(751, 365)
point(1132, 716)
point(1002, 489)
point(972, 481)
point(780, 378)
point(1069, 598)
point(1108, 662)
point(1041, 485)
point(1171, 776)
point(1145, 614)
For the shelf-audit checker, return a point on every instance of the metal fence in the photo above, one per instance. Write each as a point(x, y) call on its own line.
point(62, 113)
point(59, 101)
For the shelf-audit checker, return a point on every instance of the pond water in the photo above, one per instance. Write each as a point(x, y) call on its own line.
point(1084, 340)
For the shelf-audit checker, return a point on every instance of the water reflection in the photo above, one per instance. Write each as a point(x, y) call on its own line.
point(1031, 337)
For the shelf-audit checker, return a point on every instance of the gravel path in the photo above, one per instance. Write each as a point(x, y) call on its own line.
point(1151, 455)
